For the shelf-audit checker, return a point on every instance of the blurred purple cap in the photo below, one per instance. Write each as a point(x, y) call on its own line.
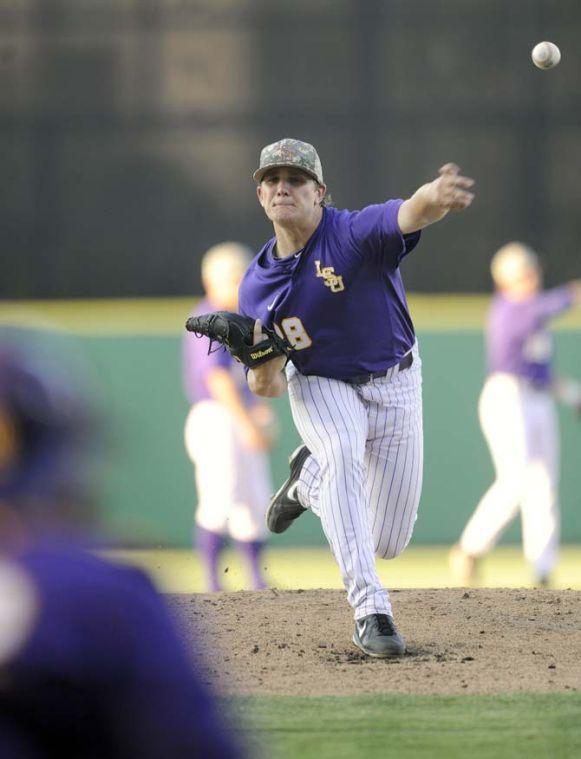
point(44, 430)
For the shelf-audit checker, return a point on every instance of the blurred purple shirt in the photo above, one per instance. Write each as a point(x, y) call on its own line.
point(104, 673)
point(517, 339)
point(197, 364)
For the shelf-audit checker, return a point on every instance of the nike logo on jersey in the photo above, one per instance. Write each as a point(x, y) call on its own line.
point(271, 306)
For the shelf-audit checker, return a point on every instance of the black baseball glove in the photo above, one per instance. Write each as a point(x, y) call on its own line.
point(236, 334)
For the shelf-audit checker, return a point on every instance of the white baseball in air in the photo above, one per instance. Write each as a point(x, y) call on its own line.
point(545, 55)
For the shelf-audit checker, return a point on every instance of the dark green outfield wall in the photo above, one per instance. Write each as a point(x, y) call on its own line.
point(148, 487)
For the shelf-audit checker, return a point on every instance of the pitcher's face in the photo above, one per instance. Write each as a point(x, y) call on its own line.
point(290, 196)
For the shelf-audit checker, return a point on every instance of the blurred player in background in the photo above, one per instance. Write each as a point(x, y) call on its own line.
point(91, 664)
point(330, 281)
point(518, 416)
point(228, 431)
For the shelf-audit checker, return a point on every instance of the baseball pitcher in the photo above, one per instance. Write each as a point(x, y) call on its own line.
point(328, 286)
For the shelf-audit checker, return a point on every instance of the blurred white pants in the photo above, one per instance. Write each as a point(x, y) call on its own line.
point(233, 482)
point(521, 428)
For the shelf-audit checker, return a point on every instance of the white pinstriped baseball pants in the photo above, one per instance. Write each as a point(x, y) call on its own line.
point(365, 475)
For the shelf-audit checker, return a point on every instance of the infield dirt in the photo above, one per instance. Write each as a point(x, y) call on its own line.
point(296, 642)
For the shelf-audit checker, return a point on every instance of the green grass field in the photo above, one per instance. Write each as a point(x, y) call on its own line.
point(179, 571)
point(407, 727)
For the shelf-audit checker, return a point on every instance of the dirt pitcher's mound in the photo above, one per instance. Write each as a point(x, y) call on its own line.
point(459, 641)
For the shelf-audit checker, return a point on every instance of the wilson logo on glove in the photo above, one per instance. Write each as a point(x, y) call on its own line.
point(235, 333)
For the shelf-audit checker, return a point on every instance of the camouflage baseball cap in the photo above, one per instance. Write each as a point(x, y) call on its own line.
point(292, 153)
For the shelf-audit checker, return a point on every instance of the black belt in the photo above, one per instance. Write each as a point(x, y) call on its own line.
point(362, 379)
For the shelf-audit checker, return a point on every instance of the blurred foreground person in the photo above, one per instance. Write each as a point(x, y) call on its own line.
point(90, 662)
point(228, 431)
point(518, 416)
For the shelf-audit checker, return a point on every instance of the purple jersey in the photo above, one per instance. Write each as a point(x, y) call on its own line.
point(197, 364)
point(341, 300)
point(104, 673)
point(517, 338)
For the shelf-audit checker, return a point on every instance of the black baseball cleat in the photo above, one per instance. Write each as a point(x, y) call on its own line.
point(377, 635)
point(284, 506)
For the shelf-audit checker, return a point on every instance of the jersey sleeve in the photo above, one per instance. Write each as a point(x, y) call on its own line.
point(375, 231)
point(553, 302)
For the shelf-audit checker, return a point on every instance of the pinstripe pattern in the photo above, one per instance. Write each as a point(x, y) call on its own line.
point(365, 475)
